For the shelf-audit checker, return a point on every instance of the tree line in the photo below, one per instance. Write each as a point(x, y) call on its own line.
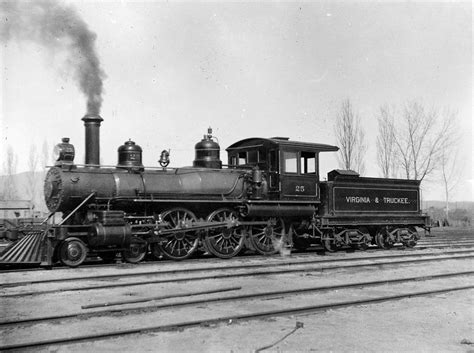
point(37, 161)
point(413, 142)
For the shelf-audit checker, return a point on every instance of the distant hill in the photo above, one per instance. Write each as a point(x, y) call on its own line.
point(467, 205)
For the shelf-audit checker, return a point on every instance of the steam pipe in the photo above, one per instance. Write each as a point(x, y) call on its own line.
point(92, 126)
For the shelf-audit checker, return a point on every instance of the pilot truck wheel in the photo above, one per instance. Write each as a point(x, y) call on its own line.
point(72, 252)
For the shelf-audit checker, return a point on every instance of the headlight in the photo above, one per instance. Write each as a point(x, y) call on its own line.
point(64, 152)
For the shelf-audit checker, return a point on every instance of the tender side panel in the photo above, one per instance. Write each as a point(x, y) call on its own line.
point(370, 201)
point(376, 199)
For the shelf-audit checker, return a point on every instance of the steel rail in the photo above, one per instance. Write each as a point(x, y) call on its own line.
point(420, 246)
point(228, 267)
point(222, 319)
point(160, 297)
point(232, 275)
point(228, 298)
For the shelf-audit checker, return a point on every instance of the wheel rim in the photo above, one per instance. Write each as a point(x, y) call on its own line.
point(330, 245)
point(183, 244)
point(268, 239)
point(135, 252)
point(72, 252)
point(224, 242)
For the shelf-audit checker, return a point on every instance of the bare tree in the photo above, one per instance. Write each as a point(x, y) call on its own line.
point(350, 138)
point(421, 138)
point(450, 173)
point(31, 176)
point(387, 152)
point(9, 169)
point(44, 155)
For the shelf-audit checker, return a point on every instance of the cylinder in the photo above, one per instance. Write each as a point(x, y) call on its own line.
point(92, 143)
point(101, 235)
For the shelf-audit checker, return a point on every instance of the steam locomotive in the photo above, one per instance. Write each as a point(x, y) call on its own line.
point(267, 197)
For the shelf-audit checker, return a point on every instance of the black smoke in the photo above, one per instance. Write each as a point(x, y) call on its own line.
point(58, 27)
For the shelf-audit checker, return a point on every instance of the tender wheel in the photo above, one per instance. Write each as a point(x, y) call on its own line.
point(182, 244)
point(72, 252)
point(269, 238)
point(383, 240)
point(224, 242)
point(331, 245)
point(411, 241)
point(136, 251)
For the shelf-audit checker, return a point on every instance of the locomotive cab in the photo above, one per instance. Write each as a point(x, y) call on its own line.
point(290, 168)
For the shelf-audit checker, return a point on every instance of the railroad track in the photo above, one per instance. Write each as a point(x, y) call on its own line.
point(236, 271)
point(433, 283)
point(304, 259)
point(421, 246)
point(439, 241)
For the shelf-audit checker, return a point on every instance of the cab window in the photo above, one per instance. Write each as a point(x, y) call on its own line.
point(242, 158)
point(290, 162)
point(308, 163)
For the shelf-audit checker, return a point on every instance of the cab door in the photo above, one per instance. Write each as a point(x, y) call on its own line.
point(299, 175)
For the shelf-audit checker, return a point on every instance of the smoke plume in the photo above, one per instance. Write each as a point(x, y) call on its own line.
point(59, 28)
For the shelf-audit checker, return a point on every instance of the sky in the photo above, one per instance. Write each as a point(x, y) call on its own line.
point(247, 69)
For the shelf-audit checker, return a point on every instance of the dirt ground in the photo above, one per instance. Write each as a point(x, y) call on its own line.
point(441, 323)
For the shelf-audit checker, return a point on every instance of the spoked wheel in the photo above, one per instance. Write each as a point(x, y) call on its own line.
point(136, 251)
point(72, 252)
point(182, 244)
point(412, 239)
point(269, 238)
point(224, 242)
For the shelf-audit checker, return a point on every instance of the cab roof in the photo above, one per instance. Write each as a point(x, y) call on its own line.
point(277, 142)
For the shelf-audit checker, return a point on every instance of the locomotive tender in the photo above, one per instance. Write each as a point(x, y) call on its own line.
point(268, 196)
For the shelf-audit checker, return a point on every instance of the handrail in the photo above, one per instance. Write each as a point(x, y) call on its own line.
point(77, 208)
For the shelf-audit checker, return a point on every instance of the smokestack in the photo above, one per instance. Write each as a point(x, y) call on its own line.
point(92, 127)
